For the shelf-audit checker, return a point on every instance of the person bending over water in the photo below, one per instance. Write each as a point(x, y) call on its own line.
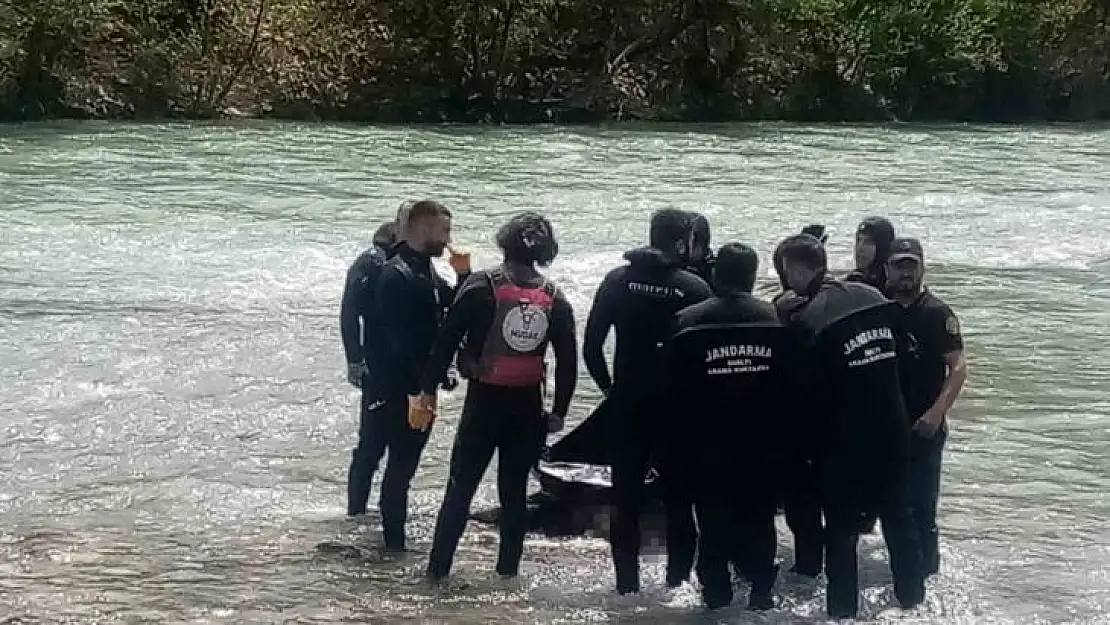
point(508, 316)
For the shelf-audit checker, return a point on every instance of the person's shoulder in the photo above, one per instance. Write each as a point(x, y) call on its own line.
point(691, 282)
point(938, 312)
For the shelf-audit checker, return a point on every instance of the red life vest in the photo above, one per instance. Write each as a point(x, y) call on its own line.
point(513, 354)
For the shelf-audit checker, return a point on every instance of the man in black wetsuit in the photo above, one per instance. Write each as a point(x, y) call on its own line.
point(933, 375)
point(725, 368)
point(508, 316)
point(873, 239)
point(640, 300)
point(358, 295)
point(407, 309)
point(701, 254)
point(850, 337)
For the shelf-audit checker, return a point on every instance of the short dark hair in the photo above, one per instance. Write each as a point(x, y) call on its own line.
point(386, 235)
point(735, 268)
point(668, 227)
point(805, 249)
point(427, 208)
point(528, 238)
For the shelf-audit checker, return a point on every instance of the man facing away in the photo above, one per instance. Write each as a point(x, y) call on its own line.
point(849, 338)
point(933, 374)
point(725, 371)
point(640, 300)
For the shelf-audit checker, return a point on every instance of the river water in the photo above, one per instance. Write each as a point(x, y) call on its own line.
point(176, 425)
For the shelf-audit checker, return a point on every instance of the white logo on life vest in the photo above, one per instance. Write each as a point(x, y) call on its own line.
point(524, 328)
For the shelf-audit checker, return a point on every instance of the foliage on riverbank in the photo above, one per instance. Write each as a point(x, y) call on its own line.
point(557, 60)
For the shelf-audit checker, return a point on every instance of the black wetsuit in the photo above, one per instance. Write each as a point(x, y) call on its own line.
point(934, 332)
point(852, 339)
point(873, 276)
point(725, 367)
point(703, 268)
point(407, 307)
point(640, 300)
point(508, 419)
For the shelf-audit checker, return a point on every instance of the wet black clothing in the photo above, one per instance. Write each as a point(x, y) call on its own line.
point(470, 317)
point(934, 332)
point(703, 268)
point(852, 338)
point(384, 425)
point(406, 310)
point(873, 276)
point(355, 312)
point(409, 301)
point(510, 421)
point(725, 366)
point(640, 300)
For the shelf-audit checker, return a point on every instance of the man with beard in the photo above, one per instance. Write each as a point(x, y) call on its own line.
point(849, 337)
point(640, 300)
point(933, 375)
point(408, 307)
point(701, 254)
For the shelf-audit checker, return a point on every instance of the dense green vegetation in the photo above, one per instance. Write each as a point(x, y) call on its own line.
point(561, 60)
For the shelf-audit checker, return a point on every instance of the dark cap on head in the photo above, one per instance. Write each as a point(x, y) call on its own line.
point(878, 229)
point(907, 247)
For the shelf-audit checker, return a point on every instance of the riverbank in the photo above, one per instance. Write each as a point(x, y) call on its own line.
point(563, 61)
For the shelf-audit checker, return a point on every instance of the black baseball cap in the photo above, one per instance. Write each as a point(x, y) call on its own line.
point(905, 247)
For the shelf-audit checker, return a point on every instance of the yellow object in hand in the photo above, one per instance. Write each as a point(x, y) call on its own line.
point(422, 411)
point(459, 261)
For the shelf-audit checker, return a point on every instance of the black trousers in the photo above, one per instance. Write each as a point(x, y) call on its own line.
point(924, 493)
point(633, 450)
point(510, 421)
point(802, 507)
point(384, 427)
point(737, 531)
point(847, 516)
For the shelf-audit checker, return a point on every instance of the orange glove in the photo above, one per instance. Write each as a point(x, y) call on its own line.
point(459, 261)
point(422, 411)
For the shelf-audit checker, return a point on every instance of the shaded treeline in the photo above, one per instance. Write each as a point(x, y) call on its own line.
point(560, 60)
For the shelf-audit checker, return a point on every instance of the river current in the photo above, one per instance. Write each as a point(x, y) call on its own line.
point(175, 425)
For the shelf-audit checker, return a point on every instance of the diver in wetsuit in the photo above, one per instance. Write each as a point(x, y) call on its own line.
point(407, 309)
point(640, 300)
point(725, 368)
point(873, 239)
point(508, 316)
point(358, 293)
point(850, 340)
point(701, 254)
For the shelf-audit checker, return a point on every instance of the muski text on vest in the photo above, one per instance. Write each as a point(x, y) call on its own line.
point(525, 328)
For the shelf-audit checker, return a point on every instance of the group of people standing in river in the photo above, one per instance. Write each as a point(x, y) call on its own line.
point(830, 400)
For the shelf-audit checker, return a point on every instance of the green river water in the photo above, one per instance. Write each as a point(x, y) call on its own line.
point(175, 425)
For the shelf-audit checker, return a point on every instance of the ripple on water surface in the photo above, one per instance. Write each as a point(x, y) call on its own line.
point(176, 427)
